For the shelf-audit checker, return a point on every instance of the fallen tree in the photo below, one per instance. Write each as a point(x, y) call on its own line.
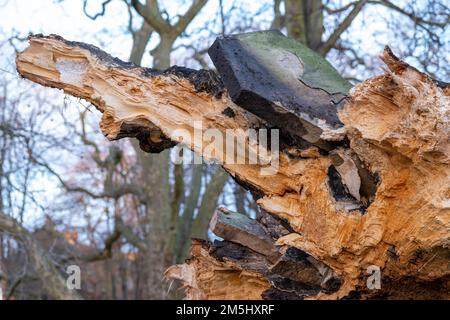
point(53, 281)
point(362, 176)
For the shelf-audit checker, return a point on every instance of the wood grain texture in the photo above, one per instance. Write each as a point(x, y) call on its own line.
point(397, 125)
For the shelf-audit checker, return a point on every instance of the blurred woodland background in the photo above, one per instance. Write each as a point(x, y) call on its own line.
point(68, 196)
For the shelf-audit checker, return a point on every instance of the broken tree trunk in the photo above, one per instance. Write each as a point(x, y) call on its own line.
point(361, 182)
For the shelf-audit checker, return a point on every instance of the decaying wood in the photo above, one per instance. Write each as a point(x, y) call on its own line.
point(283, 82)
point(222, 271)
point(239, 228)
point(379, 195)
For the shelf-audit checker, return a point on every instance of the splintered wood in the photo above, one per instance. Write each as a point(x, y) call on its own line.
point(362, 180)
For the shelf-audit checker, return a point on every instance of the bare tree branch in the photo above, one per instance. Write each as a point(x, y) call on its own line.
point(98, 14)
point(190, 14)
point(152, 15)
point(327, 45)
point(415, 18)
